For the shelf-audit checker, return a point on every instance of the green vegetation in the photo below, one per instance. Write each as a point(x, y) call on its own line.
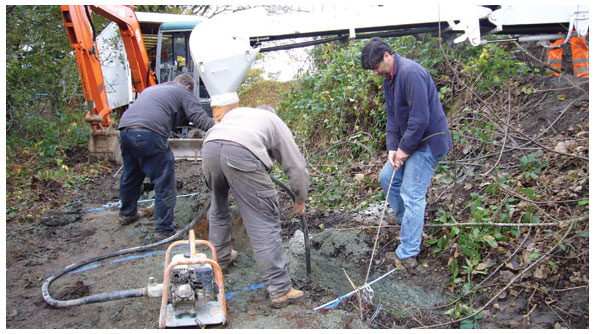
point(336, 112)
point(44, 109)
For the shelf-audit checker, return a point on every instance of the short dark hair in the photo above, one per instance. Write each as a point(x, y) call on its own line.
point(185, 80)
point(266, 107)
point(373, 52)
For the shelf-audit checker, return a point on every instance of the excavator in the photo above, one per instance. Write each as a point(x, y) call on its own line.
point(78, 21)
point(219, 51)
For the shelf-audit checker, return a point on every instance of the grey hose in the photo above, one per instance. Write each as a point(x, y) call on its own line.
point(140, 292)
point(114, 295)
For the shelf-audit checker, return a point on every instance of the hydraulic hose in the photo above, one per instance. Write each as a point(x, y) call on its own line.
point(140, 292)
point(304, 224)
point(107, 296)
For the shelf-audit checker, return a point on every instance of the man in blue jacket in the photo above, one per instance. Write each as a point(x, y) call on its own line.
point(417, 138)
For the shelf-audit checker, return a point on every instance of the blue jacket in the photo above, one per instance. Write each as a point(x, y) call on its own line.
point(414, 111)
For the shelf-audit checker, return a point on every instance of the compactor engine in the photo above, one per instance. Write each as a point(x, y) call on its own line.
point(192, 286)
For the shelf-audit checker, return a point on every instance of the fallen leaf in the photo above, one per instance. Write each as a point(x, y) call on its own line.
point(485, 264)
point(513, 265)
point(506, 274)
point(539, 274)
point(561, 147)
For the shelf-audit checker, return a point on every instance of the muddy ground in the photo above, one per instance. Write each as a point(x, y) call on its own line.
point(59, 239)
point(407, 299)
point(341, 242)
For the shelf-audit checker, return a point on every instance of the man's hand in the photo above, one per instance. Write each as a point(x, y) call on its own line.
point(300, 208)
point(397, 158)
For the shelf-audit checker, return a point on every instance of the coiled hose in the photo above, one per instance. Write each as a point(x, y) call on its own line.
point(140, 292)
point(107, 296)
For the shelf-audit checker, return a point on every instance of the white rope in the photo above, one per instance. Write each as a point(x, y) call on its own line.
point(335, 302)
point(380, 224)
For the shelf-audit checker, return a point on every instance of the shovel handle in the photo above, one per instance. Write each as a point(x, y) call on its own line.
point(304, 224)
point(306, 244)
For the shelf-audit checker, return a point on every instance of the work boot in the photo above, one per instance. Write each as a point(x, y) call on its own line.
point(232, 262)
point(287, 299)
point(127, 220)
point(157, 236)
point(409, 263)
point(164, 235)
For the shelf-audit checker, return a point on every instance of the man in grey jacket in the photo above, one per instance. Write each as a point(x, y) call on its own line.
point(144, 129)
point(237, 156)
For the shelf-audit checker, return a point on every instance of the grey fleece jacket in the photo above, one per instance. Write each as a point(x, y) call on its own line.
point(265, 135)
point(163, 107)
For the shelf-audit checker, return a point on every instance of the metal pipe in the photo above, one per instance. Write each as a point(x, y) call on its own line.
point(527, 38)
point(306, 244)
point(192, 241)
point(304, 224)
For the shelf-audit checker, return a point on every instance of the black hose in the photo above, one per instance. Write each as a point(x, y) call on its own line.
point(107, 296)
point(304, 224)
point(140, 292)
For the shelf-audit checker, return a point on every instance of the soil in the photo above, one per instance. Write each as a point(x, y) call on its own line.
point(89, 228)
point(341, 246)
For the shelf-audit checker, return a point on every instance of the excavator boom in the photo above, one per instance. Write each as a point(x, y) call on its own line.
point(78, 21)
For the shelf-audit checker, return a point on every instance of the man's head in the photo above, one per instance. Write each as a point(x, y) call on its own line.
point(185, 80)
point(222, 103)
point(267, 107)
point(377, 56)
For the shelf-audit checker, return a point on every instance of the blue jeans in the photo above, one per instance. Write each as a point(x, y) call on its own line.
point(408, 197)
point(146, 153)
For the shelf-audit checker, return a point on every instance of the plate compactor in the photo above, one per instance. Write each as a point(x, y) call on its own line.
point(192, 290)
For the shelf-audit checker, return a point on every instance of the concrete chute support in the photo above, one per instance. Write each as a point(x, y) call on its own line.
point(222, 55)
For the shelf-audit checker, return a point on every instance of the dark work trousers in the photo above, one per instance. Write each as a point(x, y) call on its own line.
point(227, 165)
point(146, 153)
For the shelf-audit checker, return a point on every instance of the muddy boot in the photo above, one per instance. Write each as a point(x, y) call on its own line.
point(287, 299)
point(232, 262)
point(127, 220)
point(155, 237)
point(390, 256)
point(409, 263)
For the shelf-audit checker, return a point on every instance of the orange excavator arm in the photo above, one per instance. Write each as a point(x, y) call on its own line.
point(79, 26)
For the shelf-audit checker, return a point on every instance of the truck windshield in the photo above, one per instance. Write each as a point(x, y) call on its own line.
point(175, 58)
